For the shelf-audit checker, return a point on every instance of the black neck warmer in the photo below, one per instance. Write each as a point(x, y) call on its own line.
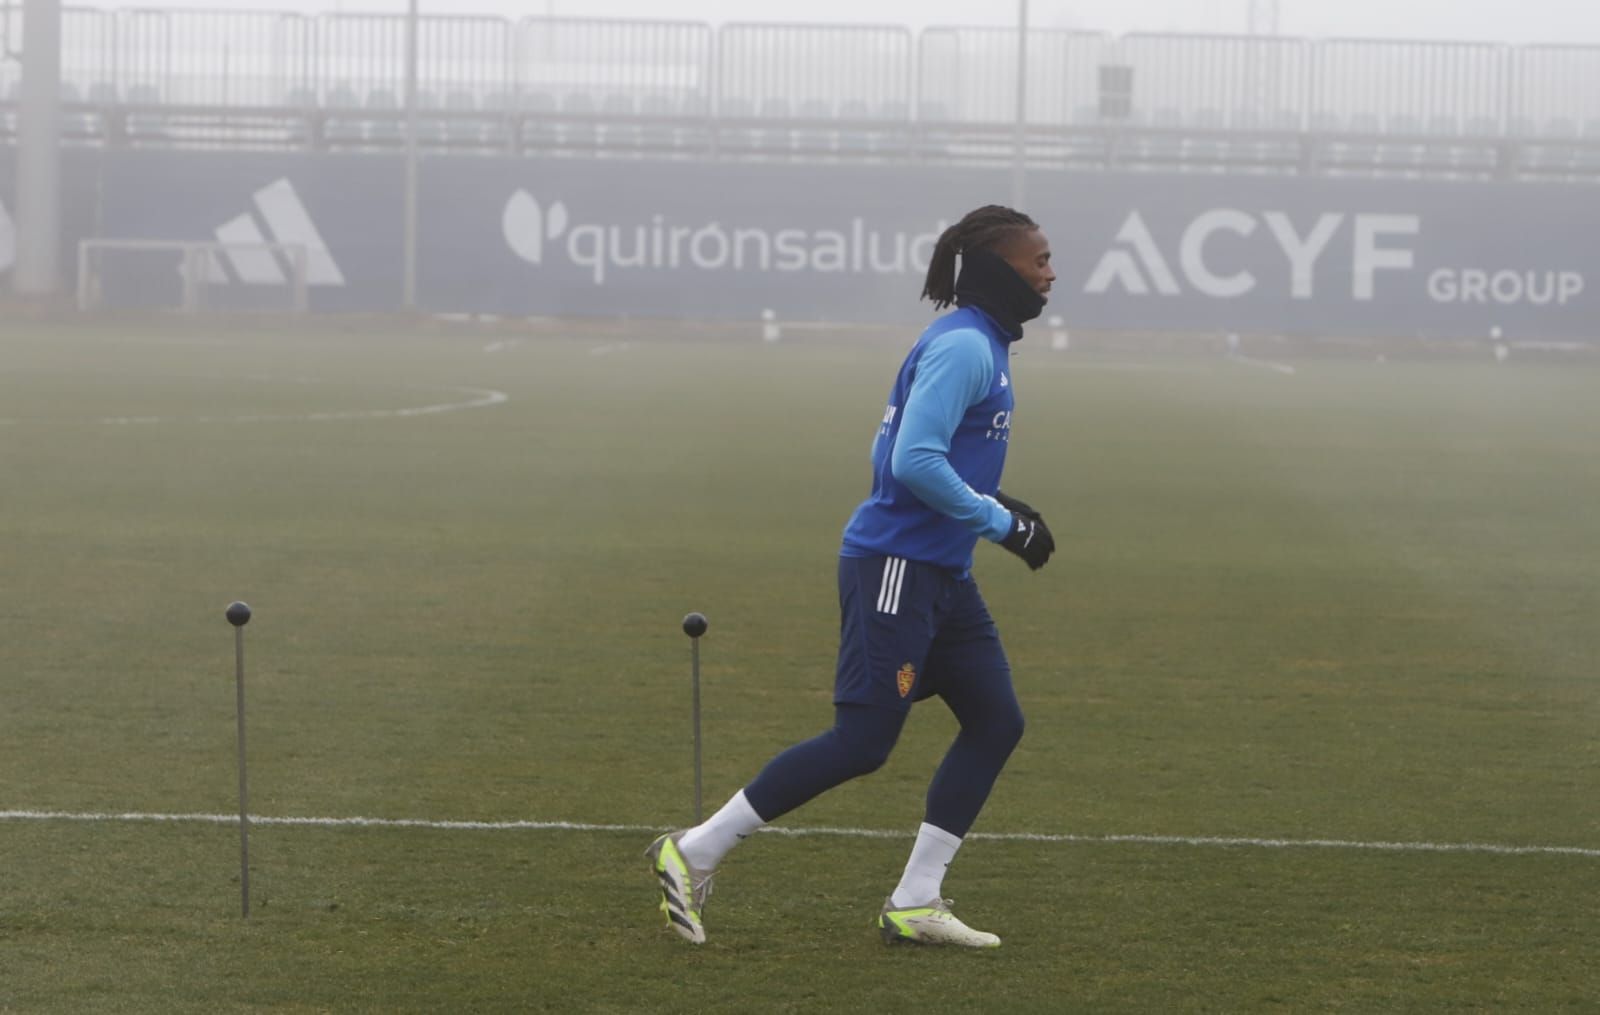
point(993, 286)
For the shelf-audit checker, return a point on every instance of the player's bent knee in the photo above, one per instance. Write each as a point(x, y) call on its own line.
point(866, 758)
point(1006, 733)
point(863, 755)
point(864, 737)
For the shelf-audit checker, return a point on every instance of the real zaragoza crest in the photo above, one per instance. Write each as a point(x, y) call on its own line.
point(905, 678)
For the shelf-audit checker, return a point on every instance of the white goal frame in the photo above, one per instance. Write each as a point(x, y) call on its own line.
point(202, 267)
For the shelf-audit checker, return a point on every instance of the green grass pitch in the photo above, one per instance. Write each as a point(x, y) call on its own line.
point(1355, 603)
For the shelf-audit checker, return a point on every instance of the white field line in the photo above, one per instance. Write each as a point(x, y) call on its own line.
point(1250, 361)
point(479, 398)
point(1113, 366)
point(857, 833)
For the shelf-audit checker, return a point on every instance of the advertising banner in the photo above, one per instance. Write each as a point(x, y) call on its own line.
point(1314, 256)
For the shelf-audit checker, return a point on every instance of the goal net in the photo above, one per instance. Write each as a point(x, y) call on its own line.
point(192, 277)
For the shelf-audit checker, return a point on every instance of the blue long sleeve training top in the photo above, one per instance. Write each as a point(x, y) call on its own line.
point(939, 452)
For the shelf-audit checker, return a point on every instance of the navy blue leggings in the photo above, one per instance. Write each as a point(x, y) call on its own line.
point(863, 735)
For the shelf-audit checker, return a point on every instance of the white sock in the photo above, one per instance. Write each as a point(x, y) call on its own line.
point(706, 844)
point(924, 874)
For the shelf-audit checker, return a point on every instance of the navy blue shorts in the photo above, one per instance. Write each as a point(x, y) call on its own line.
point(908, 630)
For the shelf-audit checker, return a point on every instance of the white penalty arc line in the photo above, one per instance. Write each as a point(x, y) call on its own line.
point(1266, 364)
point(482, 398)
point(856, 833)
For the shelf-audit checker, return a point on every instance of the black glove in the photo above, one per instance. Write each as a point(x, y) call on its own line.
point(1017, 507)
point(1029, 538)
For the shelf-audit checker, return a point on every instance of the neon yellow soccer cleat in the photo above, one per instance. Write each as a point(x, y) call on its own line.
point(930, 924)
point(684, 890)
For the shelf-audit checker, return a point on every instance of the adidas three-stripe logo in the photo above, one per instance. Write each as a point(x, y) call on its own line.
point(671, 903)
point(894, 574)
point(288, 221)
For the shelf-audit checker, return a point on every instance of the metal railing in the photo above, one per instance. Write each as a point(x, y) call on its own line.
point(969, 75)
point(1556, 91)
point(1366, 85)
point(581, 63)
point(1244, 82)
point(579, 67)
point(813, 71)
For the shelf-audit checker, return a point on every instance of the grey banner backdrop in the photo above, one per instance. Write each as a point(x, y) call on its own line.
point(1246, 253)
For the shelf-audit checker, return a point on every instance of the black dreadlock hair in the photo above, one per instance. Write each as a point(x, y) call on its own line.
point(980, 229)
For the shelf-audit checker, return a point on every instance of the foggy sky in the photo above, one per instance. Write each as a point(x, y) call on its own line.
point(1513, 21)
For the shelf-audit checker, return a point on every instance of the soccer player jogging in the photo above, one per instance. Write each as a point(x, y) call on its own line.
point(912, 622)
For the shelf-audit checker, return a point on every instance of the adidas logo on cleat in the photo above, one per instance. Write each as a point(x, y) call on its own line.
point(683, 889)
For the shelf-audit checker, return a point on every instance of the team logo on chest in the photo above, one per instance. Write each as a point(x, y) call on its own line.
point(1000, 426)
point(905, 678)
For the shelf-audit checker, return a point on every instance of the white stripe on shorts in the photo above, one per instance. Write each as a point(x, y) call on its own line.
point(894, 573)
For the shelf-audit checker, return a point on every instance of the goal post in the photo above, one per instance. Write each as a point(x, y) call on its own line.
point(191, 276)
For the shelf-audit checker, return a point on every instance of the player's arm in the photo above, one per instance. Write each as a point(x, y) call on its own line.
point(953, 375)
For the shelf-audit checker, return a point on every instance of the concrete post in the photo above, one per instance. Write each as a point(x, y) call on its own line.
point(38, 197)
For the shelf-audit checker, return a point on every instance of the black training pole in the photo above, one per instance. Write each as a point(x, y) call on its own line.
point(694, 625)
point(238, 616)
